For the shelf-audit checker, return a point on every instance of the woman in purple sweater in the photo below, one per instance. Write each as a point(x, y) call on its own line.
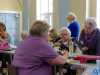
point(34, 55)
point(90, 38)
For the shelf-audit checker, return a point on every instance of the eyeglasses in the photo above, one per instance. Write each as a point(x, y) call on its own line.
point(64, 34)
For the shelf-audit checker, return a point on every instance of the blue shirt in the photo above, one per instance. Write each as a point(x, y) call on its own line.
point(33, 55)
point(74, 27)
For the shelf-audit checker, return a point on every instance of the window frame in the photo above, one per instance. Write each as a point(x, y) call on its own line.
point(15, 12)
point(48, 16)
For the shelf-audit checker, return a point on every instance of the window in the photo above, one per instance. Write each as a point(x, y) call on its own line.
point(98, 13)
point(44, 10)
point(12, 21)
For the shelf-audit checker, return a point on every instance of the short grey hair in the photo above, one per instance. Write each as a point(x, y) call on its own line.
point(91, 21)
point(38, 28)
point(72, 14)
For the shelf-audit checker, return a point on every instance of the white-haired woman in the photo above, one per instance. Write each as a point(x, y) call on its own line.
point(73, 26)
point(65, 40)
point(66, 44)
point(90, 38)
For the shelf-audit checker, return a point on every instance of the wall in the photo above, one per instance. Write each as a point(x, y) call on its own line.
point(32, 11)
point(56, 19)
point(93, 8)
point(64, 10)
point(79, 8)
point(9, 5)
point(29, 13)
point(61, 9)
point(25, 14)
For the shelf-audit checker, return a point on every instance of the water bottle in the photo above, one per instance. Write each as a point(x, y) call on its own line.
point(98, 63)
point(96, 70)
point(78, 51)
point(71, 49)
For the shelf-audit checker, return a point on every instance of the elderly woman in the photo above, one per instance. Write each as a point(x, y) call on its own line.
point(90, 38)
point(66, 44)
point(34, 56)
point(65, 40)
point(73, 26)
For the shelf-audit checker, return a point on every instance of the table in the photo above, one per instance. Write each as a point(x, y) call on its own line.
point(77, 65)
point(6, 59)
point(10, 51)
point(86, 58)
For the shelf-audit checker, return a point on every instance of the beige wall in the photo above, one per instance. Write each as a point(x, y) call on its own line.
point(92, 8)
point(56, 14)
point(32, 11)
point(29, 13)
point(79, 8)
point(9, 5)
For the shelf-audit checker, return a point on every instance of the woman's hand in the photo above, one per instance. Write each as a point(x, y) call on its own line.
point(61, 59)
point(65, 54)
point(84, 48)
